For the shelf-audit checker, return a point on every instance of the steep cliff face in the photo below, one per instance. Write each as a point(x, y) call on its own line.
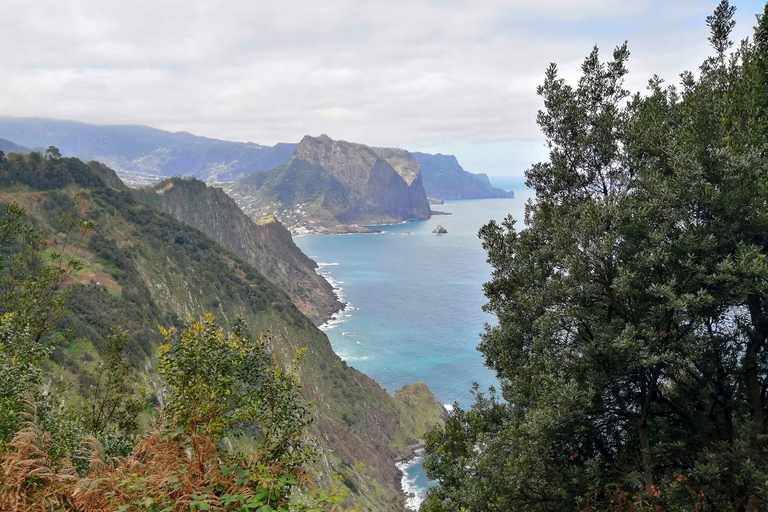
point(444, 178)
point(329, 182)
point(265, 243)
point(143, 267)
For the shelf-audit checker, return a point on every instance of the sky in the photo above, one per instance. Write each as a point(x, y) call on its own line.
point(439, 76)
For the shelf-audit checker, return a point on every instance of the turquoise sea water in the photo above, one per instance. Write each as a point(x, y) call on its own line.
point(415, 300)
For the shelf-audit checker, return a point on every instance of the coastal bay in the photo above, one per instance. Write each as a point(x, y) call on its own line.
point(414, 300)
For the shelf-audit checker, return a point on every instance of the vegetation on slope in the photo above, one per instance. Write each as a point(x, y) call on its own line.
point(267, 246)
point(142, 268)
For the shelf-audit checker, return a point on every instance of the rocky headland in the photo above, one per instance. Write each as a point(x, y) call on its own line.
point(444, 178)
point(329, 183)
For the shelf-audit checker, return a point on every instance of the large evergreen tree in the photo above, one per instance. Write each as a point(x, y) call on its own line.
point(631, 343)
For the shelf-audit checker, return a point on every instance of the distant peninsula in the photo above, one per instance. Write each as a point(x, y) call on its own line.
point(330, 183)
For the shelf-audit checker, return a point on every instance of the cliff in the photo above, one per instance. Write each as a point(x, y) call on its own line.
point(143, 268)
point(444, 178)
point(266, 244)
point(327, 183)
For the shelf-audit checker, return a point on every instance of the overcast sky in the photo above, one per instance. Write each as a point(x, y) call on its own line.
point(451, 76)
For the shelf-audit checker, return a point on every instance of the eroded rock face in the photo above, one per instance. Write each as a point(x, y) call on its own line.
point(330, 182)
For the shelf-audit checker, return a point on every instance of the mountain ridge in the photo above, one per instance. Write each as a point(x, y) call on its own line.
point(264, 243)
point(142, 155)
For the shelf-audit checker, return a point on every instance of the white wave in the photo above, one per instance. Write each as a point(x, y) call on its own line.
point(321, 265)
point(414, 495)
point(338, 318)
point(345, 357)
point(448, 407)
point(335, 283)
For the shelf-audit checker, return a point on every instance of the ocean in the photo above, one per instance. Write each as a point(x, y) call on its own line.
point(414, 302)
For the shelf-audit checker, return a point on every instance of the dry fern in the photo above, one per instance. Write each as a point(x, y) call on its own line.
point(30, 480)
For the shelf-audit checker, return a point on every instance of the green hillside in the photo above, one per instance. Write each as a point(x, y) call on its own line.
point(265, 244)
point(143, 268)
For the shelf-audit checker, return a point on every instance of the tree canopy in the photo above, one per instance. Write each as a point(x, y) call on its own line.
point(632, 337)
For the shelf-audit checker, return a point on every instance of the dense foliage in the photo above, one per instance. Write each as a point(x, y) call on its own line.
point(632, 336)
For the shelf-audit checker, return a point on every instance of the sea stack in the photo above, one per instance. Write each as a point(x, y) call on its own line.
point(439, 230)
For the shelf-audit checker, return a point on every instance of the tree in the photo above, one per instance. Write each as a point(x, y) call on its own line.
point(221, 385)
point(111, 401)
point(52, 153)
point(32, 299)
point(633, 308)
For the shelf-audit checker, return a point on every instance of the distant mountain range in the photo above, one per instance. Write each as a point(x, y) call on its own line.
point(142, 155)
point(7, 146)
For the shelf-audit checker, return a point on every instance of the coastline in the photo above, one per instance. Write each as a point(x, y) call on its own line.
point(350, 229)
point(411, 455)
point(414, 495)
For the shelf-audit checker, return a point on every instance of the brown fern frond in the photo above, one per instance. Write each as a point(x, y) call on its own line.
point(30, 480)
point(90, 450)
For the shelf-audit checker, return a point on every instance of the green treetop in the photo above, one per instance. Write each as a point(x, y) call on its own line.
point(633, 306)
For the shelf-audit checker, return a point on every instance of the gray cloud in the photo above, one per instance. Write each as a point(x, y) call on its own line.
point(418, 73)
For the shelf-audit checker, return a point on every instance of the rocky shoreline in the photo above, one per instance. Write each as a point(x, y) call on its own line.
point(413, 495)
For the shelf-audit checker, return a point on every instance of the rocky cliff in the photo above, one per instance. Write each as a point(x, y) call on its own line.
point(264, 243)
point(444, 178)
point(144, 268)
point(327, 183)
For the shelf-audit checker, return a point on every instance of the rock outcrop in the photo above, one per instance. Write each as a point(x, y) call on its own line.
point(327, 183)
point(440, 230)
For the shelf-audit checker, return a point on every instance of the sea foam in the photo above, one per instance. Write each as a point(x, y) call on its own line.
point(414, 495)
